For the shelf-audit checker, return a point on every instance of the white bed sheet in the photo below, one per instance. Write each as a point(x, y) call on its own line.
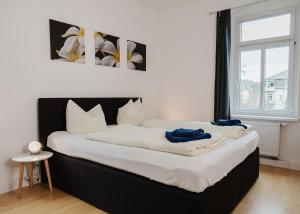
point(194, 174)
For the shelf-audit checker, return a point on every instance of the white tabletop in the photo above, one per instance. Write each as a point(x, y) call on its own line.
point(27, 157)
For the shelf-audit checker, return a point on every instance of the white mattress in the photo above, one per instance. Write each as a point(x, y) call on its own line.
point(194, 174)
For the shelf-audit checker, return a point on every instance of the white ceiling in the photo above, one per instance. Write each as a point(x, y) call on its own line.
point(160, 5)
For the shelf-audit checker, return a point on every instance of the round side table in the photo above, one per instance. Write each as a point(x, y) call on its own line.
point(29, 159)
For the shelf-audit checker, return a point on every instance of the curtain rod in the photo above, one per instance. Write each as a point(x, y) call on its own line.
point(245, 5)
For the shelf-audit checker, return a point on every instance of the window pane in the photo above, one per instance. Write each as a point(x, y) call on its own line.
point(266, 28)
point(250, 79)
point(276, 78)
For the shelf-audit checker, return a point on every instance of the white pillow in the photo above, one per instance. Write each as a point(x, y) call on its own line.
point(138, 105)
point(131, 113)
point(81, 122)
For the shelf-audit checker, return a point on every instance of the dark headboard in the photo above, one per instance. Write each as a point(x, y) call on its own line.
point(52, 112)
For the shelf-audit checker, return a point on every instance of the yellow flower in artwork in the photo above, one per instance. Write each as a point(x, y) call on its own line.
point(114, 54)
point(132, 57)
point(74, 45)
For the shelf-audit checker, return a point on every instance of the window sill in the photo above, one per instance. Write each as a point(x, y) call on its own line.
point(265, 118)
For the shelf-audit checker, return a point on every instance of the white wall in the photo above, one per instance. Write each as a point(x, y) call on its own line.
point(188, 61)
point(290, 135)
point(187, 48)
point(178, 84)
point(26, 71)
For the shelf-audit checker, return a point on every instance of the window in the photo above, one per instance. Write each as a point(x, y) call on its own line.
point(270, 85)
point(269, 98)
point(263, 65)
point(268, 28)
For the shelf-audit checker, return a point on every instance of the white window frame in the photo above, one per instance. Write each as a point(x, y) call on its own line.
point(263, 44)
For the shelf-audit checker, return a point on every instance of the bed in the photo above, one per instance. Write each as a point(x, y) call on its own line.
point(115, 190)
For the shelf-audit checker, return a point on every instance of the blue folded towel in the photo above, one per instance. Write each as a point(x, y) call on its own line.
point(222, 122)
point(185, 135)
point(189, 133)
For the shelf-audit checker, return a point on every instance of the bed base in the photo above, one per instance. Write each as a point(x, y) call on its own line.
point(119, 192)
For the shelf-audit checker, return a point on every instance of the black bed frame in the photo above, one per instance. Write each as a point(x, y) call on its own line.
point(117, 191)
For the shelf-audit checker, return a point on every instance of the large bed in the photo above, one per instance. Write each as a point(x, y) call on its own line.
point(118, 179)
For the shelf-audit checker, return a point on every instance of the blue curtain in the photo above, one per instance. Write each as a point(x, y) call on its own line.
point(223, 51)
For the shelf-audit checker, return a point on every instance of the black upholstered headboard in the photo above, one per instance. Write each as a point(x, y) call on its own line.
point(52, 112)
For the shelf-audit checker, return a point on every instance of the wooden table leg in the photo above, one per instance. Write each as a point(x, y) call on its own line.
point(21, 179)
point(30, 166)
point(48, 174)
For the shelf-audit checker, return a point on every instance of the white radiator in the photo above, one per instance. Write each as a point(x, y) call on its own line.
point(269, 137)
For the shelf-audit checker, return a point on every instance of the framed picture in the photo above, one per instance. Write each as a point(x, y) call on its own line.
point(67, 42)
point(107, 50)
point(136, 56)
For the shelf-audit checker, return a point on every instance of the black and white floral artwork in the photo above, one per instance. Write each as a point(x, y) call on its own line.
point(107, 50)
point(136, 56)
point(67, 42)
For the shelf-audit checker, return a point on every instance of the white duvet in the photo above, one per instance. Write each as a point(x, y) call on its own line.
point(152, 138)
point(226, 131)
point(194, 174)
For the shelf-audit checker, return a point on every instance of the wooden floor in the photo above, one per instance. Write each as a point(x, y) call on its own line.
point(276, 191)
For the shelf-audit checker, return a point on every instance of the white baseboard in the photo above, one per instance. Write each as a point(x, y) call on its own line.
point(11, 185)
point(295, 165)
point(281, 163)
point(275, 163)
